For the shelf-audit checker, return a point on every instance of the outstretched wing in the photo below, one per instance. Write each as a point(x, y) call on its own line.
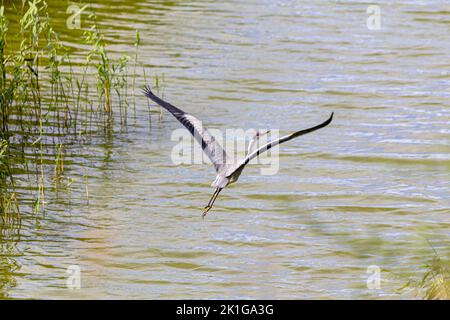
point(271, 144)
point(210, 146)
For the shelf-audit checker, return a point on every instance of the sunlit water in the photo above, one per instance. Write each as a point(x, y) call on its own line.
point(372, 189)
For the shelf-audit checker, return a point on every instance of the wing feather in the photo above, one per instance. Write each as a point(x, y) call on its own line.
point(272, 144)
point(210, 146)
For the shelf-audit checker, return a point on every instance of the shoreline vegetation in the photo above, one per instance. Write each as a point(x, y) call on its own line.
point(43, 91)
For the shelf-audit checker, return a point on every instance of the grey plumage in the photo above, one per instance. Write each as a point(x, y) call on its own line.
point(227, 171)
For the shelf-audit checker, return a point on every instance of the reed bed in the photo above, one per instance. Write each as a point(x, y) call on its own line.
point(43, 93)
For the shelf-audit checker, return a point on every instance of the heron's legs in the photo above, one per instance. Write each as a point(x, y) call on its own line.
point(211, 201)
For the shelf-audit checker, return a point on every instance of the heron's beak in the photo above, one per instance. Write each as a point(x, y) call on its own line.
point(211, 201)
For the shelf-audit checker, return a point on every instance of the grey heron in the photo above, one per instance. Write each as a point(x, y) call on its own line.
point(227, 170)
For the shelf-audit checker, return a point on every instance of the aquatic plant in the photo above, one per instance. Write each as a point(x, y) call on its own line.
point(137, 44)
point(59, 162)
point(434, 283)
point(110, 76)
point(40, 92)
point(9, 208)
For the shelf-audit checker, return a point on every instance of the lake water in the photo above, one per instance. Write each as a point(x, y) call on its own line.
point(372, 189)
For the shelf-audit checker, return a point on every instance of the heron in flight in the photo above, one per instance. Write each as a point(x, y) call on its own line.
point(227, 170)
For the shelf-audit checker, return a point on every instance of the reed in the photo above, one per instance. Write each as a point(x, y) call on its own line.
point(137, 44)
point(40, 93)
point(9, 207)
point(434, 284)
point(59, 162)
point(111, 76)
